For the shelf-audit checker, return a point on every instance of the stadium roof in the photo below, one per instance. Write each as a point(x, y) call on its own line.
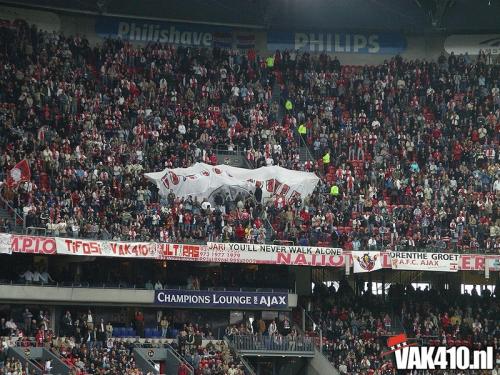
point(414, 16)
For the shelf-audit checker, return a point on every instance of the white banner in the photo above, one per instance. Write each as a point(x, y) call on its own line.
point(5, 243)
point(366, 261)
point(274, 254)
point(415, 261)
point(205, 181)
point(493, 264)
point(73, 246)
point(262, 248)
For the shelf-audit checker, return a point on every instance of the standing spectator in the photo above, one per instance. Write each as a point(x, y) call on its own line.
point(67, 325)
point(27, 319)
point(100, 334)
point(139, 323)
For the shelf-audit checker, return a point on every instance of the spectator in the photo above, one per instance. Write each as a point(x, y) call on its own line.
point(27, 319)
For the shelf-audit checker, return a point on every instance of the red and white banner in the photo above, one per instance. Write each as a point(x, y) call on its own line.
point(5, 240)
point(73, 246)
point(244, 253)
point(20, 173)
point(415, 261)
point(204, 181)
point(366, 261)
point(253, 254)
point(263, 248)
point(33, 245)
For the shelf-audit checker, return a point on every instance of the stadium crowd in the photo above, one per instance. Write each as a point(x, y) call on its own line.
point(355, 329)
point(91, 120)
point(88, 345)
point(354, 332)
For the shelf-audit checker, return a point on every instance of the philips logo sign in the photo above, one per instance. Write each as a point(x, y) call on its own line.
point(412, 357)
point(337, 42)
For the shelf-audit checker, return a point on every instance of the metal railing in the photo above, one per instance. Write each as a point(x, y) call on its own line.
point(302, 143)
point(17, 216)
point(248, 367)
point(37, 231)
point(272, 343)
point(180, 359)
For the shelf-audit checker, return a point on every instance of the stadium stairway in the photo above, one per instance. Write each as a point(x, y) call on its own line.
point(276, 98)
point(249, 370)
point(305, 154)
point(7, 213)
point(35, 358)
point(160, 360)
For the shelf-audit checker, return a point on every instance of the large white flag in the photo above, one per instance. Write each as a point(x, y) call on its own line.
point(366, 261)
point(205, 181)
point(5, 243)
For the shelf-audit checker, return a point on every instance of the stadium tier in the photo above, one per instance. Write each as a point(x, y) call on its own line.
point(252, 194)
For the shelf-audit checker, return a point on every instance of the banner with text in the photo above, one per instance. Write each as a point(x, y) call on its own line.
point(215, 252)
point(415, 261)
point(178, 33)
point(221, 299)
point(337, 42)
point(73, 246)
point(275, 254)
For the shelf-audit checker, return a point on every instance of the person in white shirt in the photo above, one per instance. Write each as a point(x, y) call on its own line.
point(11, 325)
point(90, 320)
point(372, 243)
point(273, 329)
point(27, 276)
point(36, 276)
point(45, 278)
point(48, 366)
point(158, 285)
point(496, 185)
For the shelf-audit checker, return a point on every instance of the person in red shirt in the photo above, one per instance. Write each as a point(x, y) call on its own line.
point(240, 233)
point(39, 337)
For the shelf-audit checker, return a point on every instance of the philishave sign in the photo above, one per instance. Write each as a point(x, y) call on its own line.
point(139, 30)
point(337, 42)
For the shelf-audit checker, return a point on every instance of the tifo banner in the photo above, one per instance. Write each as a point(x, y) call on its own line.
point(253, 254)
point(5, 239)
point(33, 245)
point(205, 181)
point(366, 261)
point(274, 254)
point(473, 44)
point(221, 299)
point(337, 42)
point(73, 246)
point(237, 253)
point(415, 261)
